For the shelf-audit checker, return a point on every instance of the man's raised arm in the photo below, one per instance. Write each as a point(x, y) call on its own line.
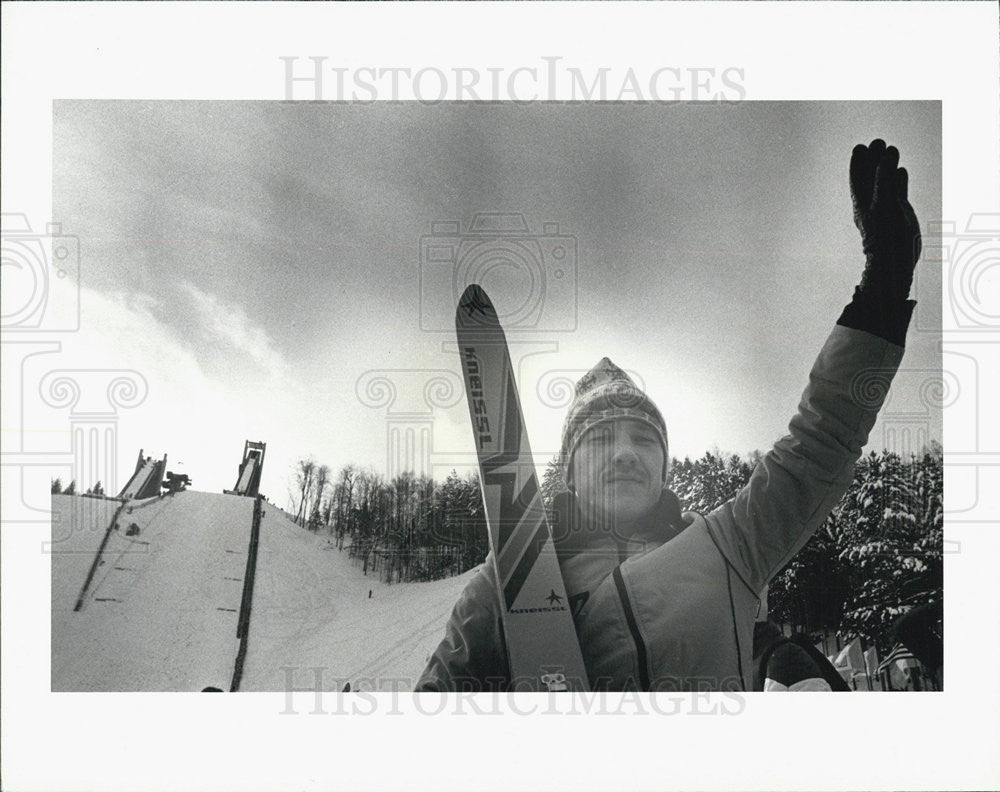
point(797, 484)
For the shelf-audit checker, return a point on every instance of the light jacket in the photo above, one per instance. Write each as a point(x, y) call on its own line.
point(673, 607)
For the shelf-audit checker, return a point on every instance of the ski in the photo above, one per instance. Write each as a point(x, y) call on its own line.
point(542, 646)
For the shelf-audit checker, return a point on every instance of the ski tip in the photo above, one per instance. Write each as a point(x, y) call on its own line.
point(475, 307)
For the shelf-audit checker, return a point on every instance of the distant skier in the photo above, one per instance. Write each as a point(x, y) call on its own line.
point(666, 601)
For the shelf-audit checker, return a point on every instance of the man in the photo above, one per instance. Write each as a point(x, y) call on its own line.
point(665, 601)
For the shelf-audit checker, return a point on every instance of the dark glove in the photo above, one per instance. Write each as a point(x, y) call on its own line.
point(890, 237)
point(890, 233)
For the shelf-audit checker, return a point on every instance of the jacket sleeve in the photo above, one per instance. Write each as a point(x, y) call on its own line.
point(796, 485)
point(472, 656)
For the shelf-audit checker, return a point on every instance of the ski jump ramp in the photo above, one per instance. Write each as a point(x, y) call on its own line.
point(161, 611)
point(145, 481)
point(248, 479)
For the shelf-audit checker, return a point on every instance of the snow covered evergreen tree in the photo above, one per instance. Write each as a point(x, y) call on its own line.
point(890, 543)
point(552, 482)
point(709, 481)
point(809, 593)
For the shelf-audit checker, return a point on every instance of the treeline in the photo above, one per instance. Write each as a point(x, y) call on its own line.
point(877, 555)
point(403, 529)
point(57, 488)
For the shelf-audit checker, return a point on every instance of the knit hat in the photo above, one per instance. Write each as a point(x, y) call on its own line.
point(606, 393)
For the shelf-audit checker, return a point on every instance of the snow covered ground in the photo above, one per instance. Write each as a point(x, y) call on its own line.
point(161, 610)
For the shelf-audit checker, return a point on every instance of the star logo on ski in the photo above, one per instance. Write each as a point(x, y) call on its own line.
point(478, 303)
point(553, 598)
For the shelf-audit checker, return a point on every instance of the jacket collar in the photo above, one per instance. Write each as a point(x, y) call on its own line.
point(571, 535)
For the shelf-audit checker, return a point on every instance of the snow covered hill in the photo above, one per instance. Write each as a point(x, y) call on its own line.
point(161, 608)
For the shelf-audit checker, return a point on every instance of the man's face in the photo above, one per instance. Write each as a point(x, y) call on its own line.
point(616, 471)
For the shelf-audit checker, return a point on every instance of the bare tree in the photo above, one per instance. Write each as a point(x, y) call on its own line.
point(343, 496)
point(372, 516)
point(403, 489)
point(321, 478)
point(305, 476)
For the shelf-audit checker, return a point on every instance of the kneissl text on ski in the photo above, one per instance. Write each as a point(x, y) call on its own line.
point(542, 645)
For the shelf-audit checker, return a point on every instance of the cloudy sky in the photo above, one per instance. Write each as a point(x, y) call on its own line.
point(267, 266)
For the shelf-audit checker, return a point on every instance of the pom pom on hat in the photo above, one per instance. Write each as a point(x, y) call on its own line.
point(607, 393)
